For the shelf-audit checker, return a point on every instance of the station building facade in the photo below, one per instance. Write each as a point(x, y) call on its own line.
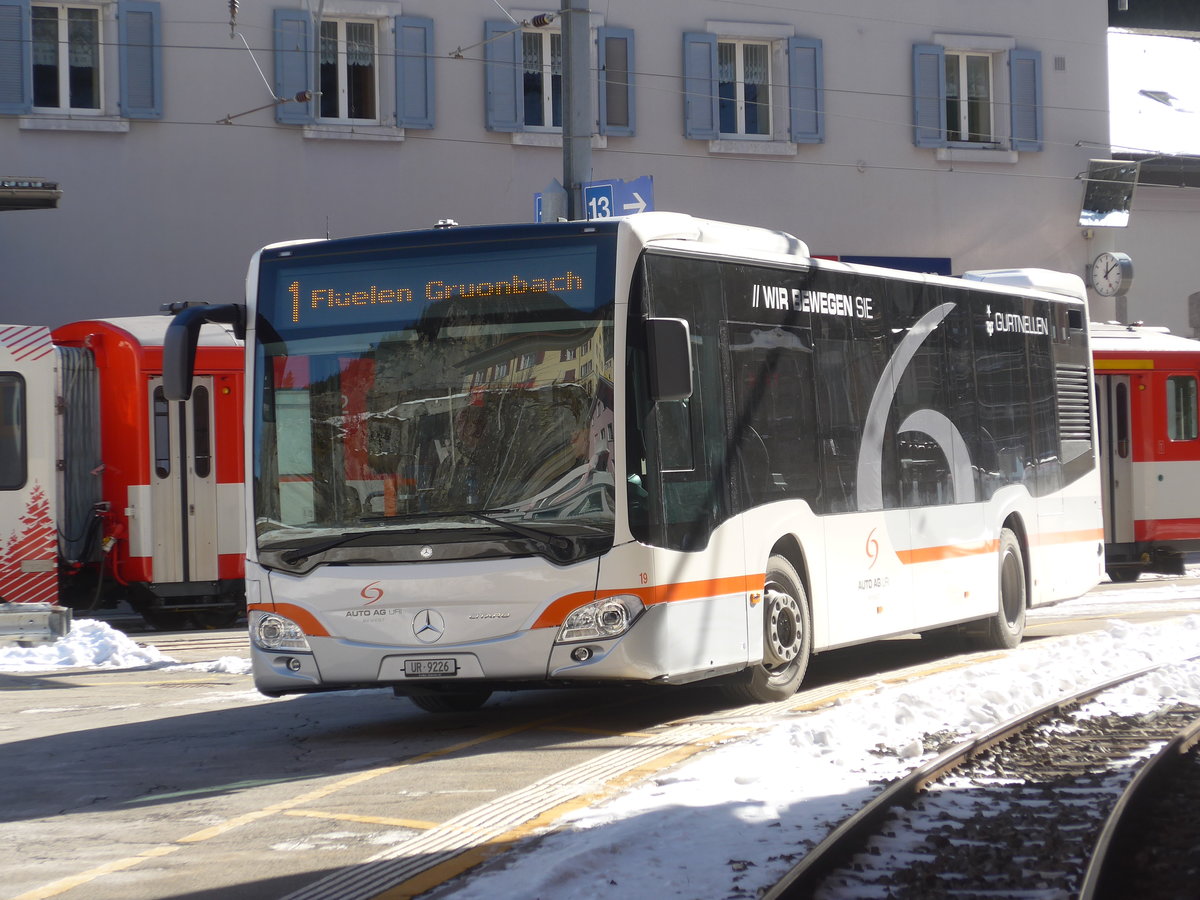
point(944, 134)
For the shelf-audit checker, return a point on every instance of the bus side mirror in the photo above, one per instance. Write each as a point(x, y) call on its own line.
point(179, 343)
point(669, 346)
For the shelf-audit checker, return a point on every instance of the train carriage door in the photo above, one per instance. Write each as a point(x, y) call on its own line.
point(183, 488)
point(28, 478)
point(1116, 457)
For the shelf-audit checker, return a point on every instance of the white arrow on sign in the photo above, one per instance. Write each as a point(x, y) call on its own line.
point(638, 206)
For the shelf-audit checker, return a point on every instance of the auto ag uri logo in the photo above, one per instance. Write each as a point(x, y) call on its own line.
point(429, 626)
point(372, 593)
point(872, 549)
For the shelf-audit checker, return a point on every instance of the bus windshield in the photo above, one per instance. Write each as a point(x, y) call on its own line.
point(453, 387)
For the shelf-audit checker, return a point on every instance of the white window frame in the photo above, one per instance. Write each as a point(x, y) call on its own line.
point(343, 66)
point(739, 46)
point(778, 142)
point(998, 48)
point(958, 130)
point(551, 135)
point(63, 64)
point(547, 39)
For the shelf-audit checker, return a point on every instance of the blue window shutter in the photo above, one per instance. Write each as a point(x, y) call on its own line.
point(1025, 75)
point(806, 90)
point(140, 39)
point(700, 116)
point(293, 65)
point(616, 87)
point(502, 76)
point(929, 95)
point(16, 90)
point(414, 72)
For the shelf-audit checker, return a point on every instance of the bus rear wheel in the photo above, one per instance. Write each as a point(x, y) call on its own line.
point(787, 640)
point(1004, 630)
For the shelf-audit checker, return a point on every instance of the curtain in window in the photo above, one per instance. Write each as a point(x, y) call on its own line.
point(83, 34)
point(45, 37)
point(360, 44)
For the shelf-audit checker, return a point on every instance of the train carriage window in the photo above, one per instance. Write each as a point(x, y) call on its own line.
point(162, 434)
point(1122, 420)
point(1181, 408)
point(201, 432)
point(12, 432)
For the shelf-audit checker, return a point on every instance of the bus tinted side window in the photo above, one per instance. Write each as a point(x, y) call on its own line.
point(774, 415)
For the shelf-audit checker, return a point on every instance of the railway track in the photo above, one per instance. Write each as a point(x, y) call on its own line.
point(1037, 806)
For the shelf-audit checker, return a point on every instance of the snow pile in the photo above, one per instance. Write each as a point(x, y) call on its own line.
point(90, 644)
point(226, 665)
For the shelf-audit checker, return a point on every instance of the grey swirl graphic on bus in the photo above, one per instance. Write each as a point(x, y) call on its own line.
point(927, 421)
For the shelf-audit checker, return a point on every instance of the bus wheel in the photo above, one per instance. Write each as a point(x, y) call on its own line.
point(1124, 575)
point(787, 640)
point(458, 701)
point(1004, 630)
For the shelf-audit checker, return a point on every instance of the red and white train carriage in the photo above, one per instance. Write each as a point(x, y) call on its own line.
point(1146, 394)
point(110, 493)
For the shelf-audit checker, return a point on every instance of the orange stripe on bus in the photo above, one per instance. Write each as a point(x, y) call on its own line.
point(556, 613)
point(307, 621)
point(1071, 537)
point(957, 551)
point(950, 551)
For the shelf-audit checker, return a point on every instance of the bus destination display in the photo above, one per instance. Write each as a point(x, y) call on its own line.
point(397, 291)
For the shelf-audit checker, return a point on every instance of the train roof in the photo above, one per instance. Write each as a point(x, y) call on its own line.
point(1113, 337)
point(148, 331)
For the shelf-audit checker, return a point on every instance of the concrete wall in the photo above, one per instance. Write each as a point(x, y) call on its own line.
point(172, 208)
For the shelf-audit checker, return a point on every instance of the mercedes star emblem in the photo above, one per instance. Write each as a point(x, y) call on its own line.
point(428, 626)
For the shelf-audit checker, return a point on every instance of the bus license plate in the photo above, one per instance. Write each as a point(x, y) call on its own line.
point(423, 668)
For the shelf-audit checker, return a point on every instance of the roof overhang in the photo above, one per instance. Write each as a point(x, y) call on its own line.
point(28, 193)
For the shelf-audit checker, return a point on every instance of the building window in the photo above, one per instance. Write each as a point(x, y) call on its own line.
point(524, 79)
point(541, 78)
point(969, 97)
point(1181, 408)
point(348, 76)
point(960, 99)
point(753, 86)
point(744, 87)
point(66, 58)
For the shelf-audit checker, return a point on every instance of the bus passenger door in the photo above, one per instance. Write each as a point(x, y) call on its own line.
point(183, 490)
point(1116, 457)
point(774, 439)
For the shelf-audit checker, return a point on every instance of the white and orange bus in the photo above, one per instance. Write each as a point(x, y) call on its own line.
point(649, 449)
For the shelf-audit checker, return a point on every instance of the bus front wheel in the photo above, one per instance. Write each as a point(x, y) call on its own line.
point(787, 639)
point(458, 701)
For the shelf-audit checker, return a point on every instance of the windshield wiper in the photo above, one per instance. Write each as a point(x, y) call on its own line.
point(554, 542)
point(291, 557)
point(551, 540)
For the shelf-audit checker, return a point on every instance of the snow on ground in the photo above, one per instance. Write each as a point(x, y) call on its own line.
point(721, 824)
point(97, 645)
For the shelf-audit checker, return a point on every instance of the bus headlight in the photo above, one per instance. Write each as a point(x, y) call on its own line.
point(274, 632)
point(607, 618)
